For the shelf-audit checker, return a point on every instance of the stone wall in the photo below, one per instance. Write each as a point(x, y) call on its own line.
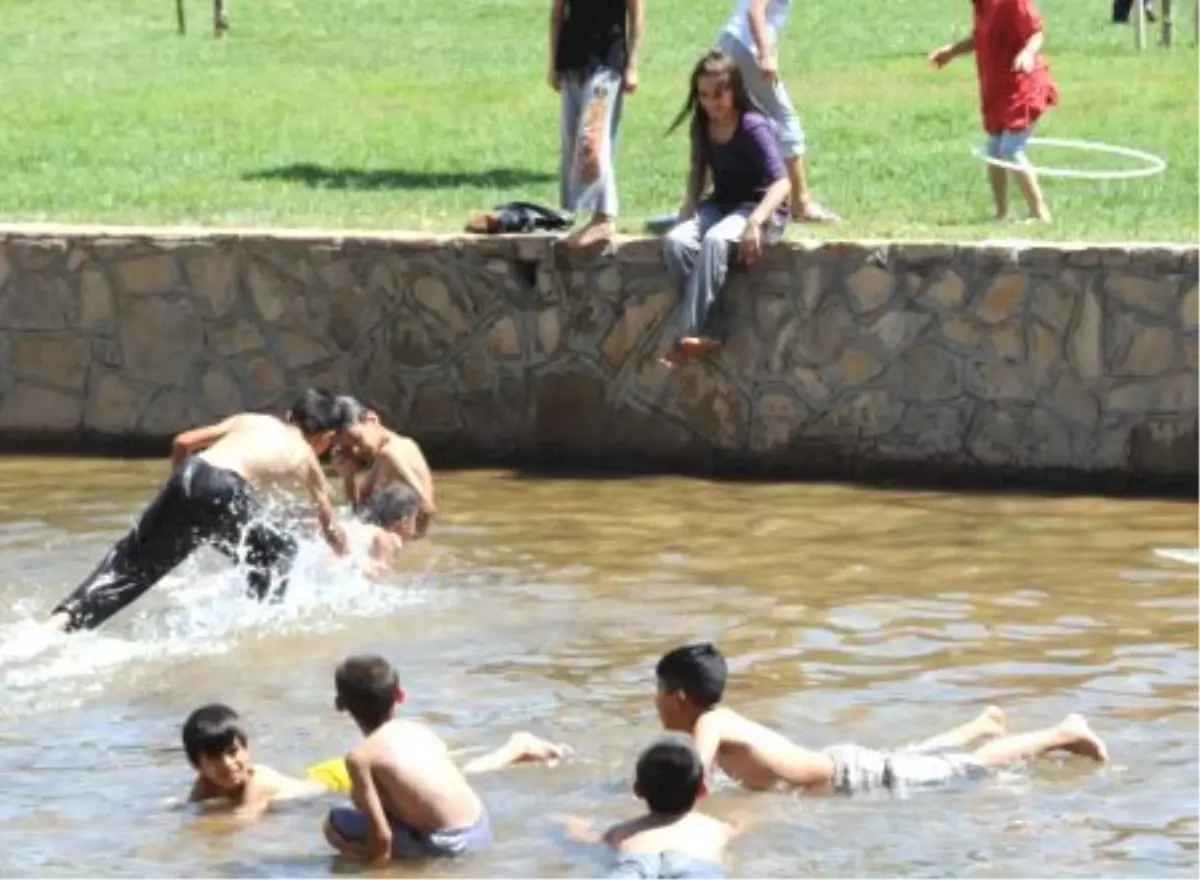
point(927, 362)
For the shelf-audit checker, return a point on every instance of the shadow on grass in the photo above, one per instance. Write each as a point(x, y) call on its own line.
point(324, 177)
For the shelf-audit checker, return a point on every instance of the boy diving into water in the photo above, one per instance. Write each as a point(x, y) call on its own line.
point(691, 683)
point(212, 497)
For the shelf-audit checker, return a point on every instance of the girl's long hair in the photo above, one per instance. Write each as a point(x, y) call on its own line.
point(716, 63)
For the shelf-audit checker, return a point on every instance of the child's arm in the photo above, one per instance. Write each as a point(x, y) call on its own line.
point(581, 830)
point(707, 738)
point(318, 488)
point(521, 748)
point(768, 67)
point(1027, 57)
point(942, 56)
point(364, 794)
point(198, 438)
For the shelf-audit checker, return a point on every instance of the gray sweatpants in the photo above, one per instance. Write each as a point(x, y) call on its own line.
point(773, 99)
point(591, 116)
point(697, 256)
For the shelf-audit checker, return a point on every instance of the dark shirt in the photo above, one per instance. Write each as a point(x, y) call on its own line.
point(745, 166)
point(592, 35)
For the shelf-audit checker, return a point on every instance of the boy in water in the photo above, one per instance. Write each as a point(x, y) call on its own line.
point(691, 682)
point(672, 839)
point(212, 497)
point(364, 444)
point(218, 748)
point(411, 799)
point(388, 522)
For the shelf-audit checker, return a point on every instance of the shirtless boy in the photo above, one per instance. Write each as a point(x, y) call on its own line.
point(672, 839)
point(218, 748)
point(411, 799)
point(213, 497)
point(365, 444)
point(691, 683)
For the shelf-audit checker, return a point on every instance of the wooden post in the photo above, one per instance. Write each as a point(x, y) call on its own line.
point(1139, 24)
point(181, 17)
point(1168, 23)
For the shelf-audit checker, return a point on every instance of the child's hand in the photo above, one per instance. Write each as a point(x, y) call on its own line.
point(768, 68)
point(1024, 61)
point(629, 79)
point(527, 747)
point(578, 829)
point(942, 56)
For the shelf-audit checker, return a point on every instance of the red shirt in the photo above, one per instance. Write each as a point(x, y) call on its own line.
point(1011, 100)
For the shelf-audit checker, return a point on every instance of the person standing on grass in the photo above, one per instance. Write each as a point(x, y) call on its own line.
point(594, 46)
point(1015, 89)
point(750, 38)
point(732, 143)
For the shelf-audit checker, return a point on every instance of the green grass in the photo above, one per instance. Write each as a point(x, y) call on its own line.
point(407, 115)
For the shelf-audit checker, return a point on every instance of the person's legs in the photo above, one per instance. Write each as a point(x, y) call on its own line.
point(593, 167)
point(270, 555)
point(1072, 734)
point(775, 102)
point(681, 251)
point(164, 536)
point(1012, 149)
point(568, 128)
point(989, 724)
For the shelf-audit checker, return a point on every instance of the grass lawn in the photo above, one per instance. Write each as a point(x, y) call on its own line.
point(407, 115)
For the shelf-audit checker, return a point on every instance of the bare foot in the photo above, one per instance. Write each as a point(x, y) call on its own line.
point(812, 211)
point(1036, 218)
point(1083, 741)
point(697, 346)
point(59, 621)
point(1000, 217)
point(990, 724)
point(594, 232)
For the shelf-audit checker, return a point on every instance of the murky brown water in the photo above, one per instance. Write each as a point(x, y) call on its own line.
point(847, 615)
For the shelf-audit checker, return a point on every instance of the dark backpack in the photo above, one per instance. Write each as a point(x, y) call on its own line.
point(517, 217)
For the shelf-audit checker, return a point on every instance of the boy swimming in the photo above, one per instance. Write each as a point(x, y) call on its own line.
point(672, 839)
point(388, 520)
point(218, 748)
point(410, 799)
point(365, 444)
point(691, 683)
point(213, 497)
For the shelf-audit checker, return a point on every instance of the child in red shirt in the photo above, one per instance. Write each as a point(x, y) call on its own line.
point(1015, 88)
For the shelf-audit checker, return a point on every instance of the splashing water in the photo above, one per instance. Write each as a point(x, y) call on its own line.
point(206, 612)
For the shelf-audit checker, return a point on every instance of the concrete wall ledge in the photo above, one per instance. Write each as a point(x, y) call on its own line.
point(1030, 363)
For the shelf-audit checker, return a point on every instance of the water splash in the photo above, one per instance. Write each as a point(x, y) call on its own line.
point(200, 610)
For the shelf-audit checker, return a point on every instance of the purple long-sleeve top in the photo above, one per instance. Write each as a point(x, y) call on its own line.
point(745, 166)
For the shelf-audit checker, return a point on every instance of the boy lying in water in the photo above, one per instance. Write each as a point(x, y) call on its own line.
point(410, 799)
point(226, 777)
point(691, 683)
point(673, 838)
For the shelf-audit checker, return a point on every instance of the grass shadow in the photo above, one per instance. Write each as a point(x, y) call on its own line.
point(326, 177)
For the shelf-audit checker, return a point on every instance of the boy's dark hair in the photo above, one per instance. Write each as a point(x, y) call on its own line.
point(353, 410)
point(388, 506)
point(315, 412)
point(670, 777)
point(366, 688)
point(211, 731)
point(697, 670)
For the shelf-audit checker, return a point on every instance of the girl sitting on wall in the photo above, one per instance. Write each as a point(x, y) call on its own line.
point(733, 144)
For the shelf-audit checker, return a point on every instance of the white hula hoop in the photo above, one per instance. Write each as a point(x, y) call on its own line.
point(1154, 164)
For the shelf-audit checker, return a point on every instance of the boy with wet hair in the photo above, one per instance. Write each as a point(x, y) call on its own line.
point(691, 683)
point(386, 522)
point(219, 750)
point(366, 446)
point(410, 799)
point(672, 839)
point(214, 496)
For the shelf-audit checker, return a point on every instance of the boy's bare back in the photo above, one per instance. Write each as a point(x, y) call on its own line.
point(757, 756)
point(415, 778)
point(694, 833)
point(401, 460)
point(264, 450)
